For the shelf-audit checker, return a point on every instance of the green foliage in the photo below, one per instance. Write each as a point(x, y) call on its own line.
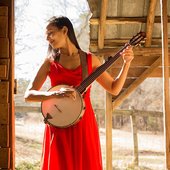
point(28, 166)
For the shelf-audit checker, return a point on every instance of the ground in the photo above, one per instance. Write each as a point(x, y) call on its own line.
point(29, 135)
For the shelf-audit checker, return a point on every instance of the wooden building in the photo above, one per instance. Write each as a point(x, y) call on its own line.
point(112, 24)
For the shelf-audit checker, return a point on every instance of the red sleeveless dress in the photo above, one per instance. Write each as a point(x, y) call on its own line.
point(76, 147)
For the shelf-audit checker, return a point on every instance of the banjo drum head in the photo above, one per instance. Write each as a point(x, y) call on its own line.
point(63, 112)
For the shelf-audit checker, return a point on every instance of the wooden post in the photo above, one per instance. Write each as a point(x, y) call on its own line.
point(135, 139)
point(101, 32)
point(165, 69)
point(11, 89)
point(108, 119)
point(150, 22)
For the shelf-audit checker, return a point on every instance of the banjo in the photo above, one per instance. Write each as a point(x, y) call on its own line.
point(64, 112)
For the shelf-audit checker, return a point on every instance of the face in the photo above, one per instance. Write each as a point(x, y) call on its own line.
point(56, 37)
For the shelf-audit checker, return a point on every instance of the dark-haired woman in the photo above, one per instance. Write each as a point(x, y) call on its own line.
point(76, 147)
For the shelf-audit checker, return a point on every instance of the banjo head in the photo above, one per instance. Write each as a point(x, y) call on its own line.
point(63, 112)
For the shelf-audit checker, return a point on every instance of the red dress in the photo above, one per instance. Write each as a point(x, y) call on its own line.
point(76, 147)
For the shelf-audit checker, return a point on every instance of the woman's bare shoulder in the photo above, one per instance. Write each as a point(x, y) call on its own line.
point(96, 62)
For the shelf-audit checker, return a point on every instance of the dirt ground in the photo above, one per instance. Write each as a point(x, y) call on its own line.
point(29, 136)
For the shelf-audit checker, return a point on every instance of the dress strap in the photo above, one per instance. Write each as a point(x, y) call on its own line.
point(83, 59)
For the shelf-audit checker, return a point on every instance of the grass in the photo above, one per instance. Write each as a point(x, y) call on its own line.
point(120, 163)
point(28, 166)
point(151, 157)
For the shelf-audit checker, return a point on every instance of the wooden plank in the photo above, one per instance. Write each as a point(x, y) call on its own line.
point(10, 51)
point(4, 92)
point(93, 5)
point(4, 113)
point(132, 73)
point(4, 69)
point(4, 48)
point(3, 11)
point(121, 42)
point(3, 72)
point(108, 114)
point(3, 21)
point(4, 133)
point(138, 113)
point(125, 20)
point(150, 22)
point(11, 89)
point(128, 82)
point(137, 51)
point(136, 83)
point(3, 26)
point(135, 140)
point(101, 32)
point(25, 109)
point(136, 72)
point(138, 61)
point(157, 72)
point(5, 158)
point(165, 64)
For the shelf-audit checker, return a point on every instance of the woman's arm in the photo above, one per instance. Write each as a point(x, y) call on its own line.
point(114, 86)
point(32, 93)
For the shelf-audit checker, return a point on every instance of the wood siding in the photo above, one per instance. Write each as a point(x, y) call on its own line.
point(7, 136)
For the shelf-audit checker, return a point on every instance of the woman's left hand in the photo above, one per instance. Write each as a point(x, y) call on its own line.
point(127, 54)
point(67, 92)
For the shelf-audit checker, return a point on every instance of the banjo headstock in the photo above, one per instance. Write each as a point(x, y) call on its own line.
point(135, 40)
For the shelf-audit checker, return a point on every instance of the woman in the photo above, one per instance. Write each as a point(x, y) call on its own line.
point(76, 147)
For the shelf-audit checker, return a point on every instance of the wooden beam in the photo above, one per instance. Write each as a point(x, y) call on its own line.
point(134, 73)
point(4, 50)
point(93, 4)
point(5, 158)
point(11, 80)
point(4, 132)
point(3, 11)
point(109, 111)
point(4, 69)
point(150, 22)
point(4, 113)
point(137, 51)
point(101, 32)
point(137, 112)
point(165, 63)
point(158, 72)
point(138, 61)
point(135, 139)
point(110, 43)
point(136, 83)
point(3, 72)
point(25, 109)
point(3, 21)
point(125, 20)
point(4, 92)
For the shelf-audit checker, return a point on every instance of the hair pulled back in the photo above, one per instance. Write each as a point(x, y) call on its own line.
point(60, 22)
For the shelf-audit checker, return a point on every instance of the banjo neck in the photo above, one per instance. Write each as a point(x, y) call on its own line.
point(94, 75)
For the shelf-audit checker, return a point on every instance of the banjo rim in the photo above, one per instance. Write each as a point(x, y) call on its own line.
point(77, 119)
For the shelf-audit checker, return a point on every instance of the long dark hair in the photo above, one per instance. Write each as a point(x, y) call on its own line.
point(60, 22)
